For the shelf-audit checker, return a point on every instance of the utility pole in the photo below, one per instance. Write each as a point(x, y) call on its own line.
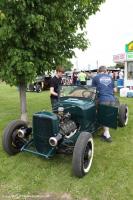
point(77, 63)
point(89, 67)
point(97, 64)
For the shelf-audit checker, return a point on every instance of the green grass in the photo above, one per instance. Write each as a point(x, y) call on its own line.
point(111, 175)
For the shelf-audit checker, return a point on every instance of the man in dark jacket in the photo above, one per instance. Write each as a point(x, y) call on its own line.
point(54, 87)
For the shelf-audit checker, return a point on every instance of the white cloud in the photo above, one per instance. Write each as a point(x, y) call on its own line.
point(108, 31)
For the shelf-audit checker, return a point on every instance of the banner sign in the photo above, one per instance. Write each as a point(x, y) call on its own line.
point(130, 56)
point(119, 58)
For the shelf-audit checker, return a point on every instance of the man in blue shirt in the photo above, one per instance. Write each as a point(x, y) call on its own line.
point(105, 89)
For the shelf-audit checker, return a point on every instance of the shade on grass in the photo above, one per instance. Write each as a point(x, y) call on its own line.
point(111, 175)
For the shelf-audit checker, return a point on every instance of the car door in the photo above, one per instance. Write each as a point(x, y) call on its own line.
point(107, 115)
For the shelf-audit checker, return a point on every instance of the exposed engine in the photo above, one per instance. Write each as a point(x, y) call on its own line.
point(67, 127)
point(66, 124)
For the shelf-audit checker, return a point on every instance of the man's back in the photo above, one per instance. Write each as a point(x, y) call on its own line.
point(105, 87)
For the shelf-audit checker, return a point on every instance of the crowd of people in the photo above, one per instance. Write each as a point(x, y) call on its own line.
point(116, 74)
point(76, 78)
point(81, 78)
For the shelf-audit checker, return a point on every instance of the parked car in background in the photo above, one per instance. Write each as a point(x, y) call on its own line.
point(41, 83)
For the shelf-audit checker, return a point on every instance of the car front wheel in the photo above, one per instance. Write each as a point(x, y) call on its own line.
point(83, 154)
point(12, 143)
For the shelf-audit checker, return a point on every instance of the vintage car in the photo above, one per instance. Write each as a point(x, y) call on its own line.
point(69, 129)
point(41, 83)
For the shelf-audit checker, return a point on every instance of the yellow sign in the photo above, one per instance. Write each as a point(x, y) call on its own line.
point(129, 47)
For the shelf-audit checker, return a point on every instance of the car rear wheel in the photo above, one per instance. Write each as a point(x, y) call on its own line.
point(38, 88)
point(83, 154)
point(12, 143)
point(123, 115)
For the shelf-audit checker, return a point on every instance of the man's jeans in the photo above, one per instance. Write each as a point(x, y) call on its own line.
point(54, 103)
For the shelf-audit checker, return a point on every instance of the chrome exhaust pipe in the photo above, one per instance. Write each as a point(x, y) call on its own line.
point(53, 141)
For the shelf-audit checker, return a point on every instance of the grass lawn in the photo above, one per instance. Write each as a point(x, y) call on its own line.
point(111, 175)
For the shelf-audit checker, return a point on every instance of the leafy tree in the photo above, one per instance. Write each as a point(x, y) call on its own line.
point(35, 35)
point(67, 64)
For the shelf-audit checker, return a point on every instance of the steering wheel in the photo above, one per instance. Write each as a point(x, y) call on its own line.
point(87, 94)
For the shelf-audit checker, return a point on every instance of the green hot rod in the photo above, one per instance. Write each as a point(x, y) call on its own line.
point(69, 129)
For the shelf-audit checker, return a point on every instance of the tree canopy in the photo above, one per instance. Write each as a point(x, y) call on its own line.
point(36, 35)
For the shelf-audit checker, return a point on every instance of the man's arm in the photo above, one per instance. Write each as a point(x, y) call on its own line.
point(115, 89)
point(94, 84)
point(53, 92)
point(52, 83)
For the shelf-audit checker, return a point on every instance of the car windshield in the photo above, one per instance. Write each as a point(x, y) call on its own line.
point(77, 91)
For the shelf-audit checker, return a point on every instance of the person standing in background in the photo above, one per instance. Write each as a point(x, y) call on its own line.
point(82, 78)
point(54, 87)
point(121, 74)
point(74, 77)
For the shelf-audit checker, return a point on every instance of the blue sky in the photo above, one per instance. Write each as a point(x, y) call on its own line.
point(108, 31)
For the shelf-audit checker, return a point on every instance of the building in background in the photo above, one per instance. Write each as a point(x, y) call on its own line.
point(127, 59)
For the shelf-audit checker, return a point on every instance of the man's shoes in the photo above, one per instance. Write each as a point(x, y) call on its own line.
point(103, 138)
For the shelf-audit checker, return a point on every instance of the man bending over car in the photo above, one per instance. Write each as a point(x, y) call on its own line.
point(105, 89)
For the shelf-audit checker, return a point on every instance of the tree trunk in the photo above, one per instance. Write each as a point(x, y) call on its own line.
point(23, 106)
